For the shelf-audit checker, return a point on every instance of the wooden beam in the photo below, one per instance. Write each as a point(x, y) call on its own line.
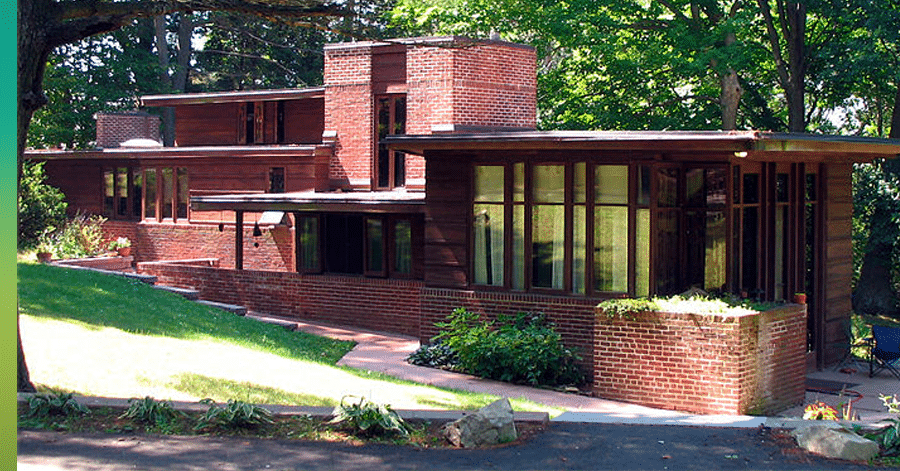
point(238, 240)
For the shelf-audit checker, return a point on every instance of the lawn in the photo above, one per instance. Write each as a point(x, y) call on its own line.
point(102, 335)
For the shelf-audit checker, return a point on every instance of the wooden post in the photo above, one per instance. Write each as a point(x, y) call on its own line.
point(238, 240)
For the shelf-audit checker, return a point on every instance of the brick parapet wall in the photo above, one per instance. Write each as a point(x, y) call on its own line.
point(573, 317)
point(166, 241)
point(116, 128)
point(350, 111)
point(378, 304)
point(100, 263)
point(703, 364)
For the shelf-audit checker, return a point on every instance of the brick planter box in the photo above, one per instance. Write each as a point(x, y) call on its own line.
point(100, 263)
point(747, 364)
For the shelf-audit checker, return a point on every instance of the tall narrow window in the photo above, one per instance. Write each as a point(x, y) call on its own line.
point(611, 228)
point(109, 192)
point(150, 203)
point(168, 187)
point(249, 123)
point(488, 225)
point(182, 208)
point(122, 192)
point(308, 244)
point(276, 180)
point(390, 166)
point(548, 236)
point(375, 259)
point(403, 247)
point(642, 234)
point(137, 199)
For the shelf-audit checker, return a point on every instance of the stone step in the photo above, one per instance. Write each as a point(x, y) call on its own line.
point(187, 293)
point(239, 310)
point(273, 320)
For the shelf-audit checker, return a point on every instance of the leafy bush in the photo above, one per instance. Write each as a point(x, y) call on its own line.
point(81, 236)
point(367, 418)
point(889, 437)
point(234, 415)
point(436, 355)
point(150, 411)
point(519, 349)
point(41, 206)
point(43, 406)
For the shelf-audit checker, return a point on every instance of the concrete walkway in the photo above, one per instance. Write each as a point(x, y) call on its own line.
point(386, 353)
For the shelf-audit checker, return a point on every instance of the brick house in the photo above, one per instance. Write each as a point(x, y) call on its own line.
point(413, 182)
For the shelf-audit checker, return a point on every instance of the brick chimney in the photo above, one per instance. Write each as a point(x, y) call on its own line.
point(115, 128)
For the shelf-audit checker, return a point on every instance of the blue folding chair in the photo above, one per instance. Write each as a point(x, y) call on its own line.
point(885, 353)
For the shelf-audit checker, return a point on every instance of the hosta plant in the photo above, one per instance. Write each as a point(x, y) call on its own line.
point(233, 415)
point(149, 411)
point(54, 405)
point(367, 418)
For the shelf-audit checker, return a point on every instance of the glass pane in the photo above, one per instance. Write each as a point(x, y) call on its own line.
point(667, 253)
point(611, 184)
point(489, 183)
point(579, 248)
point(751, 188)
point(403, 247)
point(488, 241)
point(749, 233)
point(399, 168)
point(668, 187)
point(150, 190)
point(549, 184)
point(642, 255)
point(519, 182)
point(167, 189)
point(780, 252)
point(518, 248)
point(399, 115)
point(781, 188)
point(694, 187)
point(716, 187)
point(375, 245)
point(384, 166)
point(182, 193)
point(109, 192)
point(810, 187)
point(580, 190)
point(611, 248)
point(137, 201)
point(308, 229)
point(122, 191)
point(644, 185)
point(716, 231)
point(736, 184)
point(548, 246)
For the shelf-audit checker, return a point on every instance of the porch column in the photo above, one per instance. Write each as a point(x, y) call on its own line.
point(238, 240)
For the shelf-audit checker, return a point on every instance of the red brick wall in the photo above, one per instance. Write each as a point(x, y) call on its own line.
point(703, 364)
point(376, 304)
point(116, 128)
point(572, 316)
point(166, 241)
point(349, 110)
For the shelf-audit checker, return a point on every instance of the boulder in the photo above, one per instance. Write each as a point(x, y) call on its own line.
point(835, 442)
point(491, 425)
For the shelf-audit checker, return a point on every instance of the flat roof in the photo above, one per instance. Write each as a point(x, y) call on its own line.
point(232, 96)
point(752, 143)
point(396, 201)
point(134, 153)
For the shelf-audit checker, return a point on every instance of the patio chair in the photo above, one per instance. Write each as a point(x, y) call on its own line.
point(885, 353)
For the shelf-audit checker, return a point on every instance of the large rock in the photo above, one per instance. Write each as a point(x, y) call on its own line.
point(835, 442)
point(491, 425)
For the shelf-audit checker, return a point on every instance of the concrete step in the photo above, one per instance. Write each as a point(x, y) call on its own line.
point(289, 325)
point(239, 310)
point(187, 293)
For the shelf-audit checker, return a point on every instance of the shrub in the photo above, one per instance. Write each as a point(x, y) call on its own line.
point(436, 355)
point(234, 415)
point(41, 406)
point(889, 437)
point(519, 349)
point(150, 411)
point(81, 236)
point(41, 207)
point(367, 418)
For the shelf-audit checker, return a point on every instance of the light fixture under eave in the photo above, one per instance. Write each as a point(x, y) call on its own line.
point(741, 154)
point(256, 231)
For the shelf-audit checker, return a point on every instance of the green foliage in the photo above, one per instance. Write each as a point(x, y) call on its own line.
point(876, 212)
point(889, 437)
point(80, 236)
point(519, 349)
point(628, 308)
point(233, 416)
point(436, 355)
point(149, 411)
point(42, 208)
point(819, 411)
point(367, 418)
point(43, 406)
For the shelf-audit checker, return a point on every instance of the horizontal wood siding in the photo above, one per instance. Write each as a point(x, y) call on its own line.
point(304, 121)
point(446, 213)
point(213, 124)
point(81, 182)
point(838, 253)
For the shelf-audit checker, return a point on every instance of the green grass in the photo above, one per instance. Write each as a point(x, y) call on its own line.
point(98, 300)
point(104, 335)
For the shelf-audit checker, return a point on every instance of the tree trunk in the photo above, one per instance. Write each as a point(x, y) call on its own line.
point(874, 294)
point(895, 116)
point(23, 378)
point(795, 36)
point(162, 54)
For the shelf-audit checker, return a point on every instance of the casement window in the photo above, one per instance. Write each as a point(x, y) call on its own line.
point(597, 229)
point(276, 180)
point(390, 166)
point(122, 193)
point(166, 194)
point(357, 244)
point(261, 122)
